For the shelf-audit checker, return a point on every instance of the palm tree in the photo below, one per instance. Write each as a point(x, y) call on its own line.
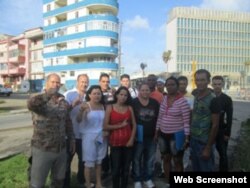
point(166, 56)
point(143, 66)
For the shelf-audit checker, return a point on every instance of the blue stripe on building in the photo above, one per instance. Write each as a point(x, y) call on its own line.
point(81, 20)
point(79, 5)
point(82, 51)
point(85, 34)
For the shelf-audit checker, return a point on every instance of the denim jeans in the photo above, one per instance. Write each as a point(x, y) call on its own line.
point(143, 160)
point(80, 176)
point(221, 146)
point(121, 158)
point(199, 164)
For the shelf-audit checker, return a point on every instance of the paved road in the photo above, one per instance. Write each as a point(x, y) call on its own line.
point(9, 121)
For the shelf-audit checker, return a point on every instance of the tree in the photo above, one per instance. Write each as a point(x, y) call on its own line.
point(143, 66)
point(166, 56)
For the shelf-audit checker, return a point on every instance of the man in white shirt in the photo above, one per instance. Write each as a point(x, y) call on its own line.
point(75, 97)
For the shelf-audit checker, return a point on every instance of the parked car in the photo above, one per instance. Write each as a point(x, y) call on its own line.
point(5, 90)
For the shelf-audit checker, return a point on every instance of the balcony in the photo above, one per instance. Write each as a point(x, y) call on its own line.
point(17, 59)
point(20, 71)
point(13, 71)
point(17, 47)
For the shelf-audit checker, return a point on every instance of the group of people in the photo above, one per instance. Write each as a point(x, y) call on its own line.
point(120, 129)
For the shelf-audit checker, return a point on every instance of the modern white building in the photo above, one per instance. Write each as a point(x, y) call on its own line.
point(80, 36)
point(218, 41)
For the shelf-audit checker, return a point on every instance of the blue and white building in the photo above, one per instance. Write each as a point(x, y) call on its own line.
point(81, 36)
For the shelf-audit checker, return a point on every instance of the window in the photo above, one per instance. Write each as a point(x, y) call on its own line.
point(72, 73)
point(48, 7)
point(76, 14)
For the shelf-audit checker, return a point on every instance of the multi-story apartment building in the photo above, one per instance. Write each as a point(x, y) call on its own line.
point(80, 36)
point(36, 74)
point(218, 41)
point(13, 59)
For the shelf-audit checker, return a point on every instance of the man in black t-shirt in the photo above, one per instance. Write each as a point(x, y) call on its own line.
point(225, 124)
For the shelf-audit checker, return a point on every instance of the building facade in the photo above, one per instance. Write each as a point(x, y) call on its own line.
point(36, 74)
point(218, 41)
point(80, 36)
point(14, 64)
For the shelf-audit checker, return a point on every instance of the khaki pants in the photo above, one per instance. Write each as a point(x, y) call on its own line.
point(42, 163)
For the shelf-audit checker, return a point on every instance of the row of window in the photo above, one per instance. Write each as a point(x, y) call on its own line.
point(15, 53)
point(63, 61)
point(88, 26)
point(201, 33)
point(206, 42)
point(212, 59)
point(213, 24)
point(214, 51)
point(211, 68)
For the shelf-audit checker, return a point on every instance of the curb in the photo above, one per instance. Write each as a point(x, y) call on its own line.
point(19, 111)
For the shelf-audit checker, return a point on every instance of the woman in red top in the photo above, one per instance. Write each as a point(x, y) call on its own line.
point(120, 122)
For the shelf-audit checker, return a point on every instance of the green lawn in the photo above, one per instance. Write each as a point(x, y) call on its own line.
point(13, 173)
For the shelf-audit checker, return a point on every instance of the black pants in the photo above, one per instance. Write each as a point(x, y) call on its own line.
point(121, 158)
point(221, 146)
point(106, 164)
point(80, 175)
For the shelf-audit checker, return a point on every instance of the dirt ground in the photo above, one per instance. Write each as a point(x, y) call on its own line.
point(14, 141)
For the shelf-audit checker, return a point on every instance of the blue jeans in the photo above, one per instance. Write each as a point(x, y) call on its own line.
point(199, 164)
point(144, 158)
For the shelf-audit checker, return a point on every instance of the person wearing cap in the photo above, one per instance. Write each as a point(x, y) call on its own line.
point(160, 86)
point(154, 93)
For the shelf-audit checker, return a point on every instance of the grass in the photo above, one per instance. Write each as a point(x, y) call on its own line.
point(241, 158)
point(13, 173)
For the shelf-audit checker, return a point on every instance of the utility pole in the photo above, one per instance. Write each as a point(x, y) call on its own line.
point(119, 49)
point(194, 64)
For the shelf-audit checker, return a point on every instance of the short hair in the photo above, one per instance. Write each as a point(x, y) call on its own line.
point(87, 98)
point(129, 99)
point(82, 75)
point(174, 79)
point(124, 76)
point(103, 75)
point(50, 75)
point(182, 78)
point(153, 76)
point(143, 83)
point(218, 77)
point(203, 71)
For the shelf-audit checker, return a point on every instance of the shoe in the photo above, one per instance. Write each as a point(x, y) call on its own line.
point(92, 185)
point(138, 184)
point(167, 185)
point(149, 184)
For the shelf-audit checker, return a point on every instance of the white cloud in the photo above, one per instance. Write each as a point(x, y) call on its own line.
point(234, 5)
point(137, 23)
point(18, 16)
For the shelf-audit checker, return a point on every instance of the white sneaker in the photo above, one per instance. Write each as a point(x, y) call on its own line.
point(138, 184)
point(149, 184)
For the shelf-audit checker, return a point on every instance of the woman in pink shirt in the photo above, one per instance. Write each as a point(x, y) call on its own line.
point(172, 129)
